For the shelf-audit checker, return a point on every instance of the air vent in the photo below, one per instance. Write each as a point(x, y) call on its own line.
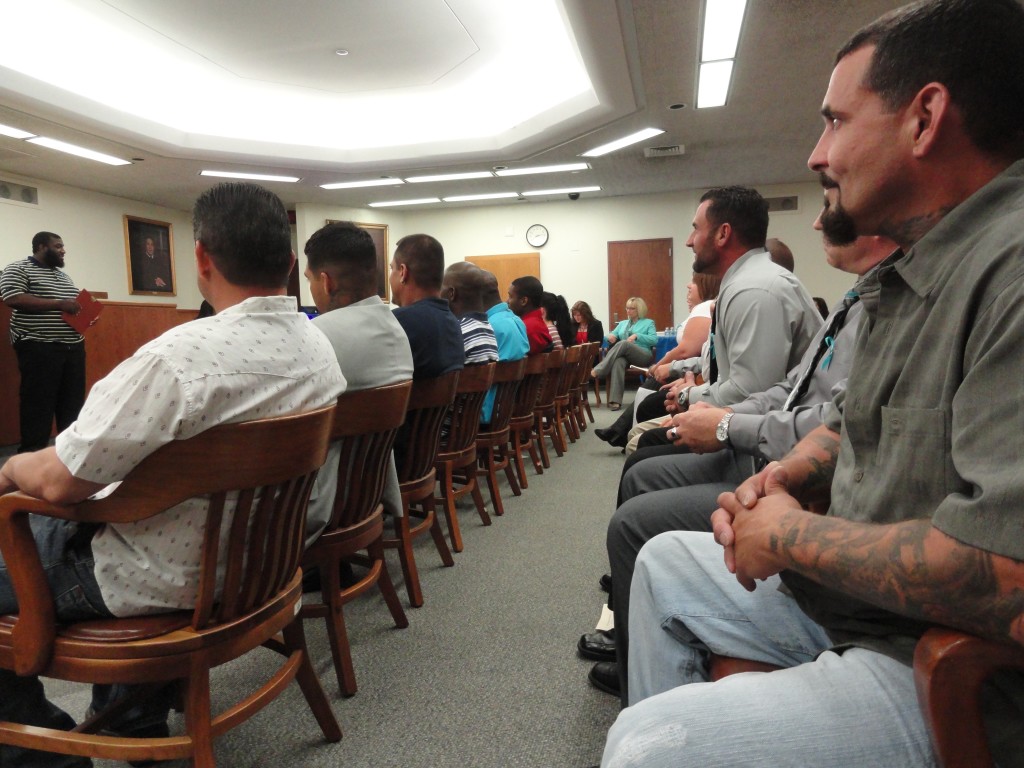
point(674, 150)
point(780, 204)
point(11, 192)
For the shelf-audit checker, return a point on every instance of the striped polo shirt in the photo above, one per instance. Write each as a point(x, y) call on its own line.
point(28, 276)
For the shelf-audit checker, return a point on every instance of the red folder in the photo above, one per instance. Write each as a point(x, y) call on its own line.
point(87, 315)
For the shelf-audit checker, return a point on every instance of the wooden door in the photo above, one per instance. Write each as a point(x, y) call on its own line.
point(640, 268)
point(507, 267)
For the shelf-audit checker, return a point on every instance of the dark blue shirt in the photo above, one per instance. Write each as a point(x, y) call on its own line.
point(435, 337)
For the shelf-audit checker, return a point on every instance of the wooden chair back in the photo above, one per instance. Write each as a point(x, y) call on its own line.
point(507, 377)
point(464, 423)
point(529, 389)
point(365, 425)
point(554, 361)
point(257, 476)
point(428, 405)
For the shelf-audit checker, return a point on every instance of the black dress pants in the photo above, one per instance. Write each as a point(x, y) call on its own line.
point(52, 386)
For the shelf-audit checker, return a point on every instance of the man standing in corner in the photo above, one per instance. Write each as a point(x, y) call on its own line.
point(524, 300)
point(51, 354)
point(256, 357)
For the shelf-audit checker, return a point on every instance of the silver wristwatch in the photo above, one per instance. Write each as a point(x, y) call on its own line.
point(722, 430)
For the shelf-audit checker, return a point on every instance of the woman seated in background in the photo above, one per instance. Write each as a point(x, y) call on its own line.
point(587, 327)
point(556, 314)
point(632, 342)
point(693, 331)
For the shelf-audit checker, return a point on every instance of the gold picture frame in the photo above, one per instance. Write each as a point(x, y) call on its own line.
point(149, 257)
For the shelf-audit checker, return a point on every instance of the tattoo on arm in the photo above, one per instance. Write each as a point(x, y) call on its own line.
point(812, 463)
point(912, 569)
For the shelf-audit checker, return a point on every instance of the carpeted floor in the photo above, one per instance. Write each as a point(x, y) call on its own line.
point(486, 675)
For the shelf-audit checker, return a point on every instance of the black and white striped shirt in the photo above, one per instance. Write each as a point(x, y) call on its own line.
point(28, 276)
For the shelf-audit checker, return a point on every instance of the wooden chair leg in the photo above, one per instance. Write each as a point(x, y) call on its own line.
point(448, 499)
point(198, 713)
point(410, 573)
point(309, 683)
point(554, 429)
point(472, 482)
point(491, 464)
point(517, 457)
point(438, 535)
point(387, 588)
point(538, 440)
point(597, 390)
point(336, 631)
point(511, 469)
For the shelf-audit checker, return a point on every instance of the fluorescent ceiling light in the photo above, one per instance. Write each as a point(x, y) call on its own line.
point(364, 183)
point(564, 168)
point(565, 191)
point(489, 196)
point(249, 176)
point(714, 84)
point(14, 133)
point(722, 22)
point(420, 201)
point(450, 177)
point(73, 149)
point(625, 141)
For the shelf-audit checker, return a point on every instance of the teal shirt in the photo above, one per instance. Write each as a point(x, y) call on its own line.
point(646, 334)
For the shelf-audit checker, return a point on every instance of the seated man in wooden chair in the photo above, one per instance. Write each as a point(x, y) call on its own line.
point(255, 358)
point(922, 142)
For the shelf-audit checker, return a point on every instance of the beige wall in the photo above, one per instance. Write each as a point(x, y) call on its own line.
point(573, 263)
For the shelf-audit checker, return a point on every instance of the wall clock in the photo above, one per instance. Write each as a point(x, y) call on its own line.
point(537, 235)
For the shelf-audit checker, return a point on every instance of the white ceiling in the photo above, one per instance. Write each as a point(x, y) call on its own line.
point(615, 67)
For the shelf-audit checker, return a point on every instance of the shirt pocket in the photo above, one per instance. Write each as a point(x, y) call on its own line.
point(914, 448)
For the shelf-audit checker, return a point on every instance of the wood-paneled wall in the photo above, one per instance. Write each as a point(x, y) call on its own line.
point(122, 328)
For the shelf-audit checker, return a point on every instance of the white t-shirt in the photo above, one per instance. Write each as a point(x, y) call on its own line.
point(701, 310)
point(257, 359)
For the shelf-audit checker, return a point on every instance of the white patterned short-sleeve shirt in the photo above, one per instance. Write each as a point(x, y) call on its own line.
point(257, 359)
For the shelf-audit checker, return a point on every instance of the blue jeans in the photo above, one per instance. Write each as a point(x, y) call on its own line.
point(68, 562)
point(824, 709)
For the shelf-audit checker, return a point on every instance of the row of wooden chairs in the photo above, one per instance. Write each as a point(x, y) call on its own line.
point(253, 598)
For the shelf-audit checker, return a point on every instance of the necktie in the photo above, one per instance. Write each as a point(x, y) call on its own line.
point(823, 354)
point(713, 374)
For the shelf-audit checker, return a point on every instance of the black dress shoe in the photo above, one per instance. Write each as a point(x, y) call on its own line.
point(611, 437)
point(605, 582)
point(597, 646)
point(605, 677)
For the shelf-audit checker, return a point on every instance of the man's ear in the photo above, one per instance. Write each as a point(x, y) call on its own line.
point(928, 116)
point(204, 264)
point(722, 234)
point(327, 281)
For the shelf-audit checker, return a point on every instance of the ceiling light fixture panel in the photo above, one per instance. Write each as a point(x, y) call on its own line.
point(723, 20)
point(14, 133)
point(486, 196)
point(563, 168)
point(74, 149)
point(625, 141)
point(565, 191)
point(250, 176)
point(391, 203)
point(363, 183)
point(449, 177)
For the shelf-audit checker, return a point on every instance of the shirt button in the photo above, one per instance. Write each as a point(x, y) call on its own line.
point(858, 475)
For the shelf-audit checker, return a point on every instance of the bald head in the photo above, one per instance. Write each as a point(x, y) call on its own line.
point(492, 296)
point(464, 285)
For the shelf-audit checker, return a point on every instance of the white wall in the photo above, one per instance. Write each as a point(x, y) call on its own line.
point(93, 230)
point(573, 263)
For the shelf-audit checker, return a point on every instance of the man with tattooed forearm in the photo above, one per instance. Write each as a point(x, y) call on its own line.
point(918, 466)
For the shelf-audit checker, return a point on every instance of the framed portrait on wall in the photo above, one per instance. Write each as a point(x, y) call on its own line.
point(149, 255)
point(379, 233)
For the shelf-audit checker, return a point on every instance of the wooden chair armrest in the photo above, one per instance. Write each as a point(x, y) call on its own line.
point(950, 668)
point(33, 634)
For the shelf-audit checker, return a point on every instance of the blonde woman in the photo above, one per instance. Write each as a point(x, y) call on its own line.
point(632, 342)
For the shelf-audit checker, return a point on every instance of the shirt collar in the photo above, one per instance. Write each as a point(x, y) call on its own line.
point(932, 259)
point(262, 304)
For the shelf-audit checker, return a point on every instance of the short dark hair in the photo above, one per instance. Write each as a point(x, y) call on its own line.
point(530, 287)
point(41, 239)
point(424, 257)
point(347, 251)
point(244, 229)
point(973, 47)
point(741, 208)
